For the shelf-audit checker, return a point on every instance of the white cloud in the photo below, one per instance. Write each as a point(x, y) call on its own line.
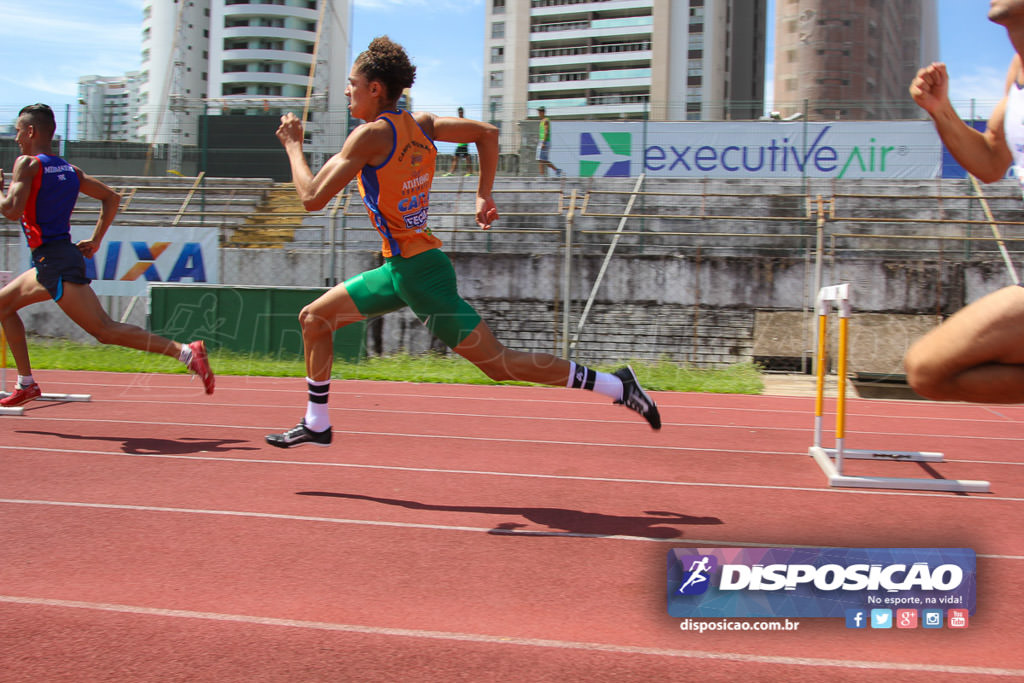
point(983, 88)
point(69, 25)
point(49, 44)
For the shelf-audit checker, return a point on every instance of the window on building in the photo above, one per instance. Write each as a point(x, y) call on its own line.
point(497, 54)
point(498, 6)
point(498, 29)
point(497, 79)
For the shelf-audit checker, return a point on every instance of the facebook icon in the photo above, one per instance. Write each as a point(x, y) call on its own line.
point(856, 618)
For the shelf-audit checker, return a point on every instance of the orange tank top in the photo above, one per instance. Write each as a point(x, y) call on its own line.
point(397, 193)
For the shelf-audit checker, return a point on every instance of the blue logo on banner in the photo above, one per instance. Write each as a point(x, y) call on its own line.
point(881, 618)
point(818, 582)
point(698, 573)
point(607, 155)
point(931, 618)
point(856, 618)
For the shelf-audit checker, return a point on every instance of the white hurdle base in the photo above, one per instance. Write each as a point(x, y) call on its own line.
point(56, 398)
point(825, 457)
point(80, 398)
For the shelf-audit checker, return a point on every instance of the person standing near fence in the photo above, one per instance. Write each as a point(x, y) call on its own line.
point(544, 144)
point(978, 353)
point(393, 157)
point(44, 190)
point(461, 152)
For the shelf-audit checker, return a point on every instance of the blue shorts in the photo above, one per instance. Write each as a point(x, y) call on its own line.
point(56, 263)
point(542, 151)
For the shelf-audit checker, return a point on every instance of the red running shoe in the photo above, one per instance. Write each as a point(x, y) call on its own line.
point(201, 365)
point(21, 396)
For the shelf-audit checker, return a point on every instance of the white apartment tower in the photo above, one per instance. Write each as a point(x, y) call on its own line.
point(107, 107)
point(242, 56)
point(624, 59)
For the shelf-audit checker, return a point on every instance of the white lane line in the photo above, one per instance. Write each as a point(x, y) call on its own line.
point(522, 475)
point(519, 641)
point(357, 392)
point(414, 525)
point(477, 416)
point(570, 418)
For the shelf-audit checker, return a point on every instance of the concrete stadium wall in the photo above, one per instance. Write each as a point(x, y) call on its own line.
point(705, 312)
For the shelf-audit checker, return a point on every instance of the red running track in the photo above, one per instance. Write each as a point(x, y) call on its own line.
point(458, 533)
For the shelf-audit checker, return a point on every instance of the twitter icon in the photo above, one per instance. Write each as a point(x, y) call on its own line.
point(881, 618)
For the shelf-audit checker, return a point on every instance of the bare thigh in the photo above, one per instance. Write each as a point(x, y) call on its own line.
point(20, 292)
point(990, 330)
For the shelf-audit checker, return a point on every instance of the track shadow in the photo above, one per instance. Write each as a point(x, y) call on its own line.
point(656, 523)
point(150, 446)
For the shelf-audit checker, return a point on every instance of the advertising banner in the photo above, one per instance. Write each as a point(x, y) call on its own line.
point(820, 582)
point(748, 150)
point(129, 258)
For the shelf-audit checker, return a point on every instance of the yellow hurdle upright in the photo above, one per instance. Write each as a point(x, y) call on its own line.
point(831, 459)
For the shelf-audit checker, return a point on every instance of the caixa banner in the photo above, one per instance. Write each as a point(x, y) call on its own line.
point(130, 258)
point(817, 582)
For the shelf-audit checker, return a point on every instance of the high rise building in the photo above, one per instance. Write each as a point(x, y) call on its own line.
point(624, 59)
point(107, 107)
point(851, 59)
point(243, 56)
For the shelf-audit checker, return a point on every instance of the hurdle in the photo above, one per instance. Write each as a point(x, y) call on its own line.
point(60, 398)
point(831, 459)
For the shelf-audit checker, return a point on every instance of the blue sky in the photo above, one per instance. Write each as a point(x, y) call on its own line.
point(45, 45)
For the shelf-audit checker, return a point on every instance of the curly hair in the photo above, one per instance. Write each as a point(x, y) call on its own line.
point(385, 61)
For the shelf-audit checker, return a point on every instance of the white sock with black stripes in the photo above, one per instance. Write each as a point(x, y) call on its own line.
point(582, 377)
point(317, 419)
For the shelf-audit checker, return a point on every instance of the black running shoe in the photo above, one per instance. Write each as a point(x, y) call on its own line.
point(634, 398)
point(298, 435)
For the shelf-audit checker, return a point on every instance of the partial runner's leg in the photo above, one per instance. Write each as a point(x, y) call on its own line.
point(501, 363)
point(319, 320)
point(976, 355)
point(81, 304)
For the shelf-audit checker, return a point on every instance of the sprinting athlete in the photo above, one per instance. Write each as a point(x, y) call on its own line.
point(44, 190)
point(978, 353)
point(393, 155)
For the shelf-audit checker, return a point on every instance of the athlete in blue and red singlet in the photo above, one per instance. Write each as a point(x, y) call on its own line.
point(43, 192)
point(393, 156)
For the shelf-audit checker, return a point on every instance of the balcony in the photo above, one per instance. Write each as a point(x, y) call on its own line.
point(612, 79)
point(256, 11)
point(269, 32)
point(264, 55)
point(263, 78)
point(638, 52)
point(540, 8)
